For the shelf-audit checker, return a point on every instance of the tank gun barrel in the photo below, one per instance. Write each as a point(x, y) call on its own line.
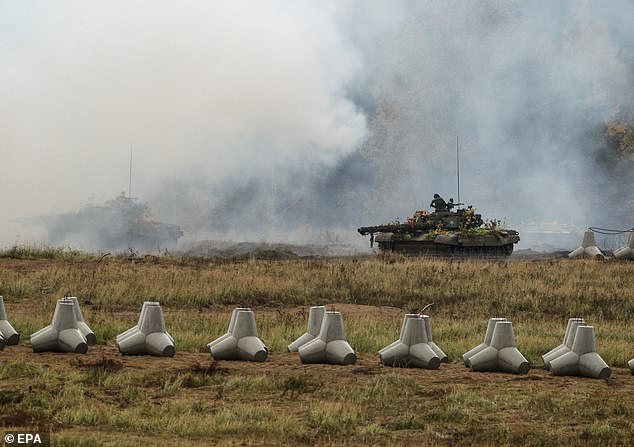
point(396, 228)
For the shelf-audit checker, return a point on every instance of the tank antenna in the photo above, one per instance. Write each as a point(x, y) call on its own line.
point(130, 177)
point(458, 167)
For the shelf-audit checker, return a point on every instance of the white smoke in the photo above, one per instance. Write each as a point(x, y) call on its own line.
point(249, 118)
point(215, 90)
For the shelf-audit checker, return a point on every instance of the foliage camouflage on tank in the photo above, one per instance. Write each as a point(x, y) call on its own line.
point(444, 232)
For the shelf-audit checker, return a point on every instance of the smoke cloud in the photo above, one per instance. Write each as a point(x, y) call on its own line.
point(285, 120)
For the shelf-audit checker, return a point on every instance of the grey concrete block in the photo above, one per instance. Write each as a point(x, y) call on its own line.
point(8, 335)
point(412, 349)
point(430, 341)
point(582, 359)
point(63, 334)
point(631, 365)
point(315, 317)
point(149, 336)
point(488, 336)
point(588, 248)
point(241, 342)
point(566, 345)
point(88, 334)
point(400, 337)
point(330, 346)
point(626, 252)
point(502, 354)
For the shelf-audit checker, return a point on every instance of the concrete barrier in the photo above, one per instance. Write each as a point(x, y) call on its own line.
point(330, 346)
point(502, 354)
point(63, 334)
point(588, 248)
point(241, 342)
point(315, 317)
point(488, 336)
point(412, 349)
point(583, 359)
point(149, 336)
point(400, 337)
point(631, 365)
point(8, 335)
point(430, 341)
point(626, 252)
point(566, 346)
point(88, 334)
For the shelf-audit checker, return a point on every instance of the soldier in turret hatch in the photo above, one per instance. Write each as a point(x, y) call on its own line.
point(438, 203)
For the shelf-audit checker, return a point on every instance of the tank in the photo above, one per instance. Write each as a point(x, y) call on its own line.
point(444, 233)
point(119, 223)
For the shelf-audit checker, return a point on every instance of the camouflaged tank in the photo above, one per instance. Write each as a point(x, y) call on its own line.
point(119, 223)
point(444, 233)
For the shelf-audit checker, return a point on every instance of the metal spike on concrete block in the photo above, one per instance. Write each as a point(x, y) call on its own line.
point(330, 346)
point(315, 317)
point(8, 335)
point(88, 334)
point(583, 359)
point(241, 342)
point(566, 346)
point(149, 336)
point(502, 354)
point(63, 334)
point(488, 336)
point(588, 248)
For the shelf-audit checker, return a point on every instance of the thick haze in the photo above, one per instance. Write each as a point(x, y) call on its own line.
point(296, 120)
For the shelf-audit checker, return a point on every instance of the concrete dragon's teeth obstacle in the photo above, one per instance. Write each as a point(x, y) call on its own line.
point(488, 336)
point(588, 248)
point(583, 359)
point(315, 317)
point(63, 334)
point(626, 252)
point(502, 354)
point(8, 335)
point(412, 348)
point(566, 345)
point(241, 342)
point(149, 336)
point(330, 346)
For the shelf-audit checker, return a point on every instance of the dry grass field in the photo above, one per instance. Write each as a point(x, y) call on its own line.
point(103, 398)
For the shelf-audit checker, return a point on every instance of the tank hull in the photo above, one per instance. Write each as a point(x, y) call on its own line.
point(431, 248)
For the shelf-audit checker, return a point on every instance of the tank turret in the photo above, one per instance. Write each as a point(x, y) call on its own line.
point(444, 232)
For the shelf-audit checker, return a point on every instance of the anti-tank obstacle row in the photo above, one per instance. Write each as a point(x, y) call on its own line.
point(324, 342)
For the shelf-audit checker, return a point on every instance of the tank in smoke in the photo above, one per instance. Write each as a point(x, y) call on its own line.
point(445, 233)
point(119, 223)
